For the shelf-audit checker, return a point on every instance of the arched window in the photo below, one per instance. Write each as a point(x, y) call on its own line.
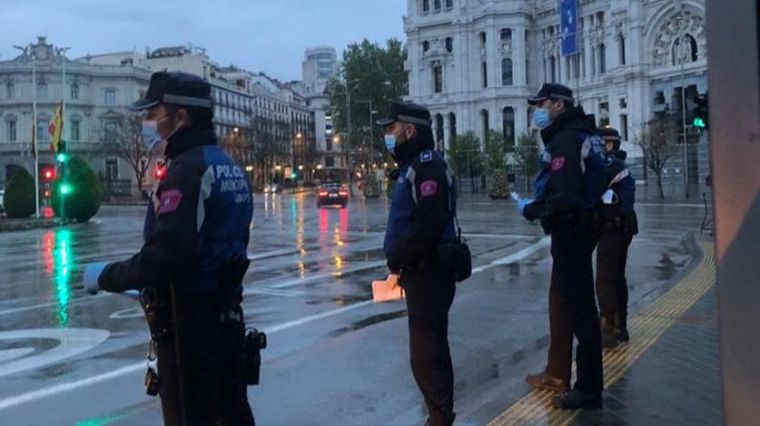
point(506, 72)
point(437, 4)
point(425, 6)
point(439, 130)
point(689, 53)
point(602, 58)
point(508, 126)
point(621, 48)
point(486, 125)
point(693, 48)
point(453, 125)
point(484, 74)
point(506, 35)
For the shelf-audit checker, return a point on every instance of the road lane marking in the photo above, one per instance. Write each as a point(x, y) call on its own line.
point(140, 366)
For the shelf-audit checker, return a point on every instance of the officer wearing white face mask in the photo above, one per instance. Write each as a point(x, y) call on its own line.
point(190, 268)
point(566, 190)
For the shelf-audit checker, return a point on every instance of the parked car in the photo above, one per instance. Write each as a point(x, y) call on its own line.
point(272, 188)
point(332, 194)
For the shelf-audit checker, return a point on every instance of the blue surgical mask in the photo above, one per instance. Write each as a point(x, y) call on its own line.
point(390, 143)
point(541, 118)
point(150, 136)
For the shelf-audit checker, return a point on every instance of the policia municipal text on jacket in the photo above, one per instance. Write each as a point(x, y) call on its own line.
point(191, 267)
point(568, 184)
point(421, 220)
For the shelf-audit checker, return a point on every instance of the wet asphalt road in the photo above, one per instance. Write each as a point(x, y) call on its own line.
point(334, 357)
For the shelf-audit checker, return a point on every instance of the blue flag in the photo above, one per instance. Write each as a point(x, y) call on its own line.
point(568, 9)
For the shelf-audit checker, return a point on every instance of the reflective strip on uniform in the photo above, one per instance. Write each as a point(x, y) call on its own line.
point(620, 176)
point(410, 176)
point(204, 193)
point(585, 150)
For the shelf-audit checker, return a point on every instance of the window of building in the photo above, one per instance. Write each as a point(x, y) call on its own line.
point(109, 131)
point(602, 58)
point(486, 125)
point(439, 130)
point(506, 72)
point(449, 4)
point(482, 40)
point(621, 48)
point(452, 125)
point(484, 74)
point(42, 129)
point(112, 169)
point(10, 90)
point(508, 126)
point(425, 6)
point(437, 78)
point(74, 91)
point(604, 114)
point(12, 130)
point(506, 35)
point(329, 161)
point(624, 127)
point(449, 44)
point(42, 90)
point(74, 132)
point(576, 60)
point(110, 97)
point(553, 69)
point(425, 46)
point(527, 72)
point(437, 5)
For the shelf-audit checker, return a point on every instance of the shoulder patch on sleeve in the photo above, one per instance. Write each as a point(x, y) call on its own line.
point(558, 163)
point(169, 201)
point(426, 156)
point(428, 188)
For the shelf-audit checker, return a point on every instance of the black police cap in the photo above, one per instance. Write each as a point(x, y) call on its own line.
point(407, 112)
point(176, 88)
point(609, 134)
point(552, 91)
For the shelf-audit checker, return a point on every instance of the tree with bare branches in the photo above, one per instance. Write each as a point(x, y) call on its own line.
point(657, 142)
point(123, 139)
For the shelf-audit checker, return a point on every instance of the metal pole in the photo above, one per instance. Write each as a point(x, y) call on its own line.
point(63, 125)
point(683, 106)
point(34, 135)
point(348, 141)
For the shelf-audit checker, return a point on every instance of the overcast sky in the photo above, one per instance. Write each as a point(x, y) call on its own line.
point(260, 35)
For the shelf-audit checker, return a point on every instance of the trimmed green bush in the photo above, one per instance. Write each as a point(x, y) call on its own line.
point(83, 198)
point(19, 195)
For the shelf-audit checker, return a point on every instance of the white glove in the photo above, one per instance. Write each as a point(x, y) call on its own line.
point(91, 274)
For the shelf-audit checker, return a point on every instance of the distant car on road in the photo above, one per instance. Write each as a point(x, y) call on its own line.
point(332, 194)
point(272, 188)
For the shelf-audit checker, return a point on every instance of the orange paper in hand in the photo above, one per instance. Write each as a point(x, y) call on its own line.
point(387, 290)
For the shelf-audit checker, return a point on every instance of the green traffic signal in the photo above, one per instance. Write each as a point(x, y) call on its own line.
point(699, 122)
point(66, 189)
point(61, 158)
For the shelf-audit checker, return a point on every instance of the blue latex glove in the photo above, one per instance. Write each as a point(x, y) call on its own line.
point(91, 274)
point(521, 205)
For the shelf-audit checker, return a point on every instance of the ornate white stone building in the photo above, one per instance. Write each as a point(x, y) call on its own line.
point(474, 62)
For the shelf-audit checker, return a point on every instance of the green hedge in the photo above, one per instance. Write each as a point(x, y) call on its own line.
point(85, 192)
point(19, 195)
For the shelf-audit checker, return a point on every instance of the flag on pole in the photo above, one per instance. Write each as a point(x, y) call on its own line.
point(56, 129)
point(568, 10)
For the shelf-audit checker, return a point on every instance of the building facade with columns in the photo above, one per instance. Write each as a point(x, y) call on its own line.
point(475, 62)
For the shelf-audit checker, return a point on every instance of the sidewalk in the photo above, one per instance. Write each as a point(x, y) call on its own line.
point(667, 375)
point(12, 225)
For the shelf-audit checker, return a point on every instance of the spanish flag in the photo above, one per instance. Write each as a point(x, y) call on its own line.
point(56, 129)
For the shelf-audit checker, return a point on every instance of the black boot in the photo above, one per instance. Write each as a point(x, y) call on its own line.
point(609, 334)
point(623, 336)
point(575, 399)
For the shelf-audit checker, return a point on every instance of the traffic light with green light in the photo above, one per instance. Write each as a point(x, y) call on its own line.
point(701, 112)
point(62, 154)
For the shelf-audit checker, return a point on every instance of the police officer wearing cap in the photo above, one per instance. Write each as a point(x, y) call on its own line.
point(190, 268)
point(422, 218)
point(566, 190)
point(618, 226)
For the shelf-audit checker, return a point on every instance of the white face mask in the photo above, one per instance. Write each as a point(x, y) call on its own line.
point(152, 139)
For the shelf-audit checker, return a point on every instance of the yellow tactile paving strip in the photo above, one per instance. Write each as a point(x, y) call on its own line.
point(646, 328)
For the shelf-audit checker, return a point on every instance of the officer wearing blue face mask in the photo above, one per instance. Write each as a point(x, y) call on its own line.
point(192, 262)
point(421, 220)
point(567, 189)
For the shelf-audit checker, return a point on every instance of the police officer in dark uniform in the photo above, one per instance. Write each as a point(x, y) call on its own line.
point(191, 266)
point(421, 219)
point(618, 226)
point(567, 187)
